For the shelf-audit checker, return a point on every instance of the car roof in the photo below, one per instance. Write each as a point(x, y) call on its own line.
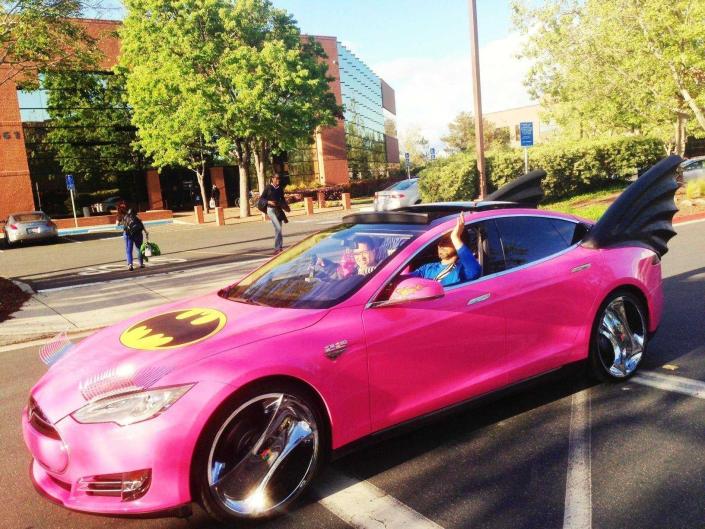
point(693, 159)
point(430, 214)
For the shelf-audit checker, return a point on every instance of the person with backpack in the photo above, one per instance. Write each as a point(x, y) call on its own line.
point(273, 204)
point(133, 228)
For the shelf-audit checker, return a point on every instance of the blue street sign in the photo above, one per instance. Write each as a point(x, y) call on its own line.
point(406, 156)
point(526, 132)
point(433, 153)
point(70, 184)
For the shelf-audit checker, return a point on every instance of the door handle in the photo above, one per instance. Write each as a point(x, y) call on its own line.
point(581, 268)
point(479, 299)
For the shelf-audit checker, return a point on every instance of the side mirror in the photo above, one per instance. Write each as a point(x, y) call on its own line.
point(415, 289)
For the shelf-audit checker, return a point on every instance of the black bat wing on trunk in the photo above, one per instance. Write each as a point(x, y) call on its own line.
point(643, 214)
point(523, 190)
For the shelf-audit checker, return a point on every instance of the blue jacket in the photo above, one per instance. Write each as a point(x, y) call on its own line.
point(466, 268)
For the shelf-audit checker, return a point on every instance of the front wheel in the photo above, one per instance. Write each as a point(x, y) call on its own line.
point(619, 337)
point(260, 453)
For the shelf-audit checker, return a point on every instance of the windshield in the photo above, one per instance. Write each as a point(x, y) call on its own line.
point(325, 268)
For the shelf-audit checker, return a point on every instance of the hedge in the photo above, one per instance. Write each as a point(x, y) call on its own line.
point(572, 167)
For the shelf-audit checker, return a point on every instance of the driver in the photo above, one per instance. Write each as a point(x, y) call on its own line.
point(457, 263)
point(361, 261)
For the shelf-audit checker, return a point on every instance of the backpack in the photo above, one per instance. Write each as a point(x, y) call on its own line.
point(133, 225)
point(262, 202)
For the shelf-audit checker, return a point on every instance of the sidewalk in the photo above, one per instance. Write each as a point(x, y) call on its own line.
point(96, 305)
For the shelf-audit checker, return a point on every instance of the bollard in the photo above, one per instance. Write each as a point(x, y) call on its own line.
point(347, 204)
point(321, 199)
point(198, 213)
point(219, 216)
point(308, 205)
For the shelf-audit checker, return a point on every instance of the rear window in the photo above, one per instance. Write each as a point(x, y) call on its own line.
point(29, 217)
point(401, 186)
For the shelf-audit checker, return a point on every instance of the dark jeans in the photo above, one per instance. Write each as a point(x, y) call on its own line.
point(129, 241)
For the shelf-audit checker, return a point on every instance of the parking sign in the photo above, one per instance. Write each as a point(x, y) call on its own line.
point(433, 153)
point(70, 184)
point(526, 133)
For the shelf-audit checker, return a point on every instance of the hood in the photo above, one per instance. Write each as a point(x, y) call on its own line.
point(147, 347)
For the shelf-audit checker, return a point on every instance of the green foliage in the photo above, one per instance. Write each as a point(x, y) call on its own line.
point(225, 77)
point(616, 66)
point(571, 166)
point(695, 189)
point(39, 36)
point(461, 134)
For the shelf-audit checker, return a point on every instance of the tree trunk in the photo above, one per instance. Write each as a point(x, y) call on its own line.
point(261, 154)
point(200, 172)
point(243, 164)
point(680, 134)
point(697, 111)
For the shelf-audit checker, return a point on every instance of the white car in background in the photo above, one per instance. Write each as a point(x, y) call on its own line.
point(399, 195)
point(693, 169)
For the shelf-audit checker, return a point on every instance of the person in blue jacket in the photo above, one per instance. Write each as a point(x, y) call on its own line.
point(457, 262)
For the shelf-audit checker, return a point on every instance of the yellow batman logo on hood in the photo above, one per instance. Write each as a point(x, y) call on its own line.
point(174, 329)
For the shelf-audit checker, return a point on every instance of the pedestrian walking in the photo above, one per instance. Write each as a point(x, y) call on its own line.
point(215, 197)
point(273, 203)
point(133, 228)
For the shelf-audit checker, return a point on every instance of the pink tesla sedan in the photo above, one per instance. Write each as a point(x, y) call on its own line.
point(236, 399)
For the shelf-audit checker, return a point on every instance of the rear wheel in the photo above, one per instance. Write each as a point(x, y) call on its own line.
point(619, 337)
point(260, 453)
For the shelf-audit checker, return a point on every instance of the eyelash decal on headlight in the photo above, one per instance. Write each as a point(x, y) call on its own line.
point(53, 351)
point(120, 380)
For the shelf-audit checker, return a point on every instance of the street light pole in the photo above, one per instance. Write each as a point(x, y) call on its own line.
point(479, 136)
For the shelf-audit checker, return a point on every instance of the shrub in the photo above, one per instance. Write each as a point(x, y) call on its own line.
point(695, 189)
point(571, 166)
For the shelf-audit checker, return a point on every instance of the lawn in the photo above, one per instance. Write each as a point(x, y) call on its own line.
point(589, 205)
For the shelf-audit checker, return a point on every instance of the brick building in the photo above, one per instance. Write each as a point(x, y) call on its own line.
point(335, 156)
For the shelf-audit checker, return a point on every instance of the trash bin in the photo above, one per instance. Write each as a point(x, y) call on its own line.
point(87, 211)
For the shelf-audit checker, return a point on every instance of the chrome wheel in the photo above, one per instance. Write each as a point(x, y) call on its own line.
point(264, 455)
point(621, 336)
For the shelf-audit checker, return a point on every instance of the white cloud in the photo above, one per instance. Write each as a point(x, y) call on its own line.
point(430, 92)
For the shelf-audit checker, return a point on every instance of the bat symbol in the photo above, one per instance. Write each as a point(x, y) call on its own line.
point(174, 329)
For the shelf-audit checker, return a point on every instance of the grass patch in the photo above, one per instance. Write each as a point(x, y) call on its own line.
point(588, 205)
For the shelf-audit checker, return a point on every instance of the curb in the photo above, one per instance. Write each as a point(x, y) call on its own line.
point(106, 228)
point(689, 218)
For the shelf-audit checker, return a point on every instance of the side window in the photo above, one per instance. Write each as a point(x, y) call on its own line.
point(528, 239)
point(490, 248)
point(570, 231)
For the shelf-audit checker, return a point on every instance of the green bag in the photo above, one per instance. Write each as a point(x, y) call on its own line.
point(149, 249)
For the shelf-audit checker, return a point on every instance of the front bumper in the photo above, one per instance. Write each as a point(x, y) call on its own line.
point(164, 444)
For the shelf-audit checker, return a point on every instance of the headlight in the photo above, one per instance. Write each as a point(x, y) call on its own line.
point(132, 407)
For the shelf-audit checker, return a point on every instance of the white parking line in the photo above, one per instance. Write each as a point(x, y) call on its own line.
point(685, 386)
point(578, 489)
point(364, 506)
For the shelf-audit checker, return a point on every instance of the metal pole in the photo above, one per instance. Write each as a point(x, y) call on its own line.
point(39, 197)
point(408, 172)
point(479, 137)
point(73, 205)
point(526, 160)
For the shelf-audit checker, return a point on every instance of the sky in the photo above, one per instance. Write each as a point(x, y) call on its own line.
point(422, 50)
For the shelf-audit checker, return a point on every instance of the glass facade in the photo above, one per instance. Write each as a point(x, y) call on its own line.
point(361, 91)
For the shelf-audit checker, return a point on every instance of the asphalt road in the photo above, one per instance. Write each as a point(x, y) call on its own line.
point(565, 453)
point(80, 259)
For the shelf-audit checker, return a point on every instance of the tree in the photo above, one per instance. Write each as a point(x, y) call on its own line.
point(226, 77)
point(169, 51)
point(461, 134)
point(611, 66)
point(39, 36)
point(413, 142)
point(276, 88)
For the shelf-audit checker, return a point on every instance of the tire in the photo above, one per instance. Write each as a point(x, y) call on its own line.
point(276, 434)
point(6, 241)
point(619, 337)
